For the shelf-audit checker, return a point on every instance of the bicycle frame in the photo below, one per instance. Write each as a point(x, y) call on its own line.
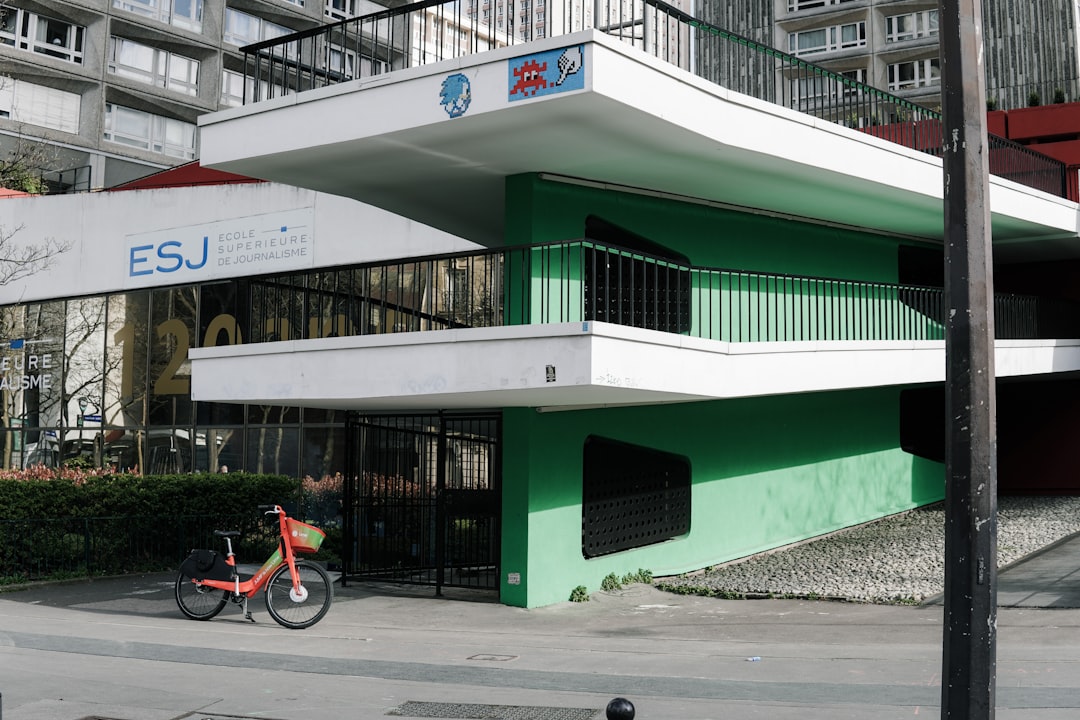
point(249, 588)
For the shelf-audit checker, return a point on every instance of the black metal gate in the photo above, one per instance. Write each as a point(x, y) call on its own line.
point(423, 499)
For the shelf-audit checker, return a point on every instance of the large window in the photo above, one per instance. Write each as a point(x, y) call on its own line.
point(39, 105)
point(232, 88)
point(107, 379)
point(244, 29)
point(26, 30)
point(911, 25)
point(796, 5)
point(234, 85)
point(917, 73)
point(181, 13)
point(153, 66)
point(155, 133)
point(341, 9)
point(836, 37)
point(816, 87)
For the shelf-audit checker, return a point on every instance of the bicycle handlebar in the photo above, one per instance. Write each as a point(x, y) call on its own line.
point(269, 509)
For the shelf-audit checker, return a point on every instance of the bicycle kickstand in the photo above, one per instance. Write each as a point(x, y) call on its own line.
point(247, 613)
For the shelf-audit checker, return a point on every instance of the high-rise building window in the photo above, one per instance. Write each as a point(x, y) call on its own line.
point(232, 88)
point(339, 60)
point(234, 85)
point(144, 130)
point(185, 14)
point(829, 89)
point(39, 105)
point(836, 37)
point(797, 5)
point(27, 30)
point(153, 66)
point(341, 9)
point(244, 29)
point(917, 73)
point(911, 25)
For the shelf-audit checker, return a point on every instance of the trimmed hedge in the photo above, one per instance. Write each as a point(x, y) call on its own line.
point(142, 495)
point(113, 524)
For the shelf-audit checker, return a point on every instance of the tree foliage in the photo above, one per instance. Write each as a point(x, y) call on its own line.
point(21, 169)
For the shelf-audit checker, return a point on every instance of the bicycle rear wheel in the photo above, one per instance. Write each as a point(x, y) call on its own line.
point(297, 612)
point(199, 602)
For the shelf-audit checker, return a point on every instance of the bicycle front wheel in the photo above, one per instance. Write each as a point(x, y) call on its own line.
point(199, 602)
point(304, 609)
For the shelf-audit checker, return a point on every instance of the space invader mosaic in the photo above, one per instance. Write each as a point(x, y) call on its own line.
point(546, 73)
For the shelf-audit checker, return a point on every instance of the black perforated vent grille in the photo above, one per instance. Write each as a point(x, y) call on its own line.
point(632, 496)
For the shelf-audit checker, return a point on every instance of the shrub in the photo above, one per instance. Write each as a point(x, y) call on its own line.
point(579, 594)
point(73, 521)
point(641, 576)
point(611, 582)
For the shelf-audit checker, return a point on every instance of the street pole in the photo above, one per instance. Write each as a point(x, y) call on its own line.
point(970, 642)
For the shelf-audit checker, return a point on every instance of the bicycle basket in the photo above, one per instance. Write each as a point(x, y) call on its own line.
point(303, 537)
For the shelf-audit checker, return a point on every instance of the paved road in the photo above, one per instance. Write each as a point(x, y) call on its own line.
point(119, 649)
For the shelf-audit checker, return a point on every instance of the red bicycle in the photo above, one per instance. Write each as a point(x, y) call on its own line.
point(298, 593)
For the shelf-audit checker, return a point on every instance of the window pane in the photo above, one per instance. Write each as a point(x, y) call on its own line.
point(812, 39)
point(84, 379)
point(40, 105)
point(240, 28)
point(131, 122)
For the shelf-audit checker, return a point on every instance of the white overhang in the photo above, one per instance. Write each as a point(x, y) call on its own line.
point(572, 365)
point(635, 122)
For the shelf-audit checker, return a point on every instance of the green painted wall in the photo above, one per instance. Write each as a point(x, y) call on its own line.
point(544, 211)
point(765, 472)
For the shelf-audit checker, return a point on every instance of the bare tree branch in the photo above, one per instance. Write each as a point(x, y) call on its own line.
point(18, 260)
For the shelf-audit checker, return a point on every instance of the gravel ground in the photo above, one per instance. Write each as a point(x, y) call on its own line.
point(896, 559)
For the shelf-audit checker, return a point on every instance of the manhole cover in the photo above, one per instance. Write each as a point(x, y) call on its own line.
point(469, 711)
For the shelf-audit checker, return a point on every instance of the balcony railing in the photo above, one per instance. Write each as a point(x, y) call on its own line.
point(434, 30)
point(582, 281)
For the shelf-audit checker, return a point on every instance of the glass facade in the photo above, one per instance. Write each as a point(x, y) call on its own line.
point(107, 380)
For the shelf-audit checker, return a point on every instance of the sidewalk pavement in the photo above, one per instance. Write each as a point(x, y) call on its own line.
point(118, 649)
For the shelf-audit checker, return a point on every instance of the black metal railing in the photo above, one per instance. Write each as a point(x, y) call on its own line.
point(70, 180)
point(582, 280)
point(434, 30)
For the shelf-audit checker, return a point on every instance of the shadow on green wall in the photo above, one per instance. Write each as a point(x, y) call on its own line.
point(723, 439)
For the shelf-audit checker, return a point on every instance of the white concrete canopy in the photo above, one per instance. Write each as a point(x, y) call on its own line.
point(635, 122)
point(572, 365)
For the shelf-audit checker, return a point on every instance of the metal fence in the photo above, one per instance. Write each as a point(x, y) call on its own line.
point(583, 280)
point(45, 548)
point(434, 30)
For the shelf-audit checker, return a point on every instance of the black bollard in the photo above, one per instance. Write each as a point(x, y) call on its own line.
point(620, 709)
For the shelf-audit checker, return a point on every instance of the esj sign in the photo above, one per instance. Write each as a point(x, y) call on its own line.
point(269, 243)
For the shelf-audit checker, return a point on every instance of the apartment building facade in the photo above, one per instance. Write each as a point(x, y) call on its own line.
point(1032, 50)
point(112, 88)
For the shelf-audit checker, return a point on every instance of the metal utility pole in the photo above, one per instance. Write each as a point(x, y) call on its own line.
point(969, 660)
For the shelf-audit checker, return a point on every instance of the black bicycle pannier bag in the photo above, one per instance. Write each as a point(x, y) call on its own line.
point(206, 565)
